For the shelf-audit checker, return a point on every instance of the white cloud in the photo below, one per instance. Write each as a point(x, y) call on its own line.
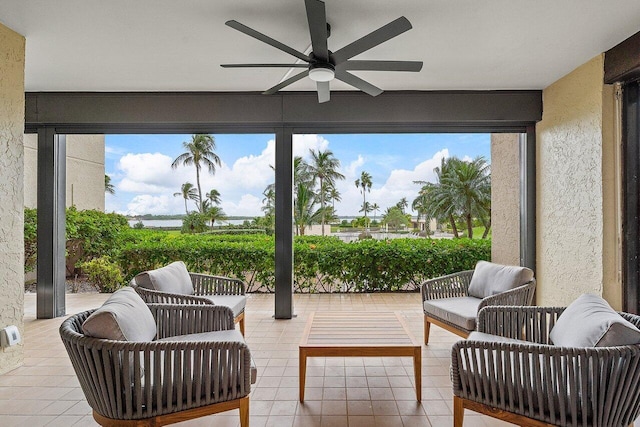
point(303, 143)
point(353, 168)
point(248, 205)
point(399, 184)
point(151, 173)
point(156, 205)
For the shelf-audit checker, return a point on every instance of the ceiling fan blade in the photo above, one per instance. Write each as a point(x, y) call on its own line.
point(264, 65)
point(379, 36)
point(317, 17)
point(286, 83)
point(414, 66)
point(324, 94)
point(358, 83)
point(266, 39)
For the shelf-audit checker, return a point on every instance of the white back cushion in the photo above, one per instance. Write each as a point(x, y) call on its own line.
point(590, 321)
point(491, 279)
point(173, 278)
point(123, 317)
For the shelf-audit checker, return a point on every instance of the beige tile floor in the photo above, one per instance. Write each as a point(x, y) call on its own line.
point(369, 392)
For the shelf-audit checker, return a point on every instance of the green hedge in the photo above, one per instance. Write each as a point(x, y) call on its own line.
point(320, 264)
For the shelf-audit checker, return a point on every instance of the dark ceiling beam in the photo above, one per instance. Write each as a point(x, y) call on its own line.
point(102, 112)
point(622, 62)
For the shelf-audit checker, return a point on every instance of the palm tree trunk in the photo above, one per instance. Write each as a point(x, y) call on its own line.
point(453, 226)
point(469, 226)
point(322, 204)
point(487, 227)
point(186, 210)
point(364, 207)
point(199, 189)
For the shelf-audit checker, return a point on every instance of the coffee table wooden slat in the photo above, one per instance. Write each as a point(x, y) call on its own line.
point(362, 334)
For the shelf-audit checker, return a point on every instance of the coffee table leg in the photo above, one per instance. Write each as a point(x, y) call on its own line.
point(417, 371)
point(303, 372)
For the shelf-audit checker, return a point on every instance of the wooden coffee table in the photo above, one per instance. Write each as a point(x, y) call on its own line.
point(359, 334)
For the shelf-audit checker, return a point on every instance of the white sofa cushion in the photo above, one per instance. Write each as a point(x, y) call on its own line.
point(235, 302)
point(124, 316)
point(461, 311)
point(590, 321)
point(173, 278)
point(491, 279)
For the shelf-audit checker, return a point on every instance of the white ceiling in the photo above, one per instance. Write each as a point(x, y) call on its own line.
point(178, 45)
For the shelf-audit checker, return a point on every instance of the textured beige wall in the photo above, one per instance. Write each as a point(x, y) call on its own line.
point(11, 191)
point(573, 160)
point(505, 198)
point(85, 171)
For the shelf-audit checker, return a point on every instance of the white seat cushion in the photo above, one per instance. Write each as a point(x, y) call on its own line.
point(236, 303)
point(461, 311)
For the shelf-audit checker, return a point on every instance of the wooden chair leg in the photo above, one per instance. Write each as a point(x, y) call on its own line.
point(458, 412)
point(239, 319)
point(427, 328)
point(244, 412)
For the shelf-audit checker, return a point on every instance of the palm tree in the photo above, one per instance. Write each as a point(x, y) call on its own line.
point(303, 208)
point(108, 186)
point(375, 208)
point(470, 184)
point(402, 204)
point(366, 208)
point(334, 195)
point(214, 196)
point(364, 183)
point(188, 192)
point(442, 203)
point(213, 212)
point(323, 167)
point(200, 151)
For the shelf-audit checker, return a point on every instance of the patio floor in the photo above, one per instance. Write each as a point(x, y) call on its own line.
point(340, 391)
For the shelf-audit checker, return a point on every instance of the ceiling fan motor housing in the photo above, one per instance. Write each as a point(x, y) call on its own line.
point(321, 71)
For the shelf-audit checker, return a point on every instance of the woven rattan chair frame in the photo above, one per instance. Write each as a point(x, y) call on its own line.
point(203, 284)
point(538, 384)
point(158, 383)
point(457, 285)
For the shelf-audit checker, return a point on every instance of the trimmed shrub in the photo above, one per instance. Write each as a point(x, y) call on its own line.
point(103, 273)
point(91, 234)
point(320, 264)
point(30, 239)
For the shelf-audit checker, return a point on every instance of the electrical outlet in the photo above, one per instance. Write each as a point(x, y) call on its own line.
point(10, 336)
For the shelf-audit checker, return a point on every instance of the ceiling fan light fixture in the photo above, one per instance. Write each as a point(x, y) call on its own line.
point(321, 74)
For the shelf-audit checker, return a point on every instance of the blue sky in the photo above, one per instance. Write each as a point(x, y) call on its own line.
point(139, 166)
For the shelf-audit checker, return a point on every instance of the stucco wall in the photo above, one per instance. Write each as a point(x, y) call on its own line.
point(11, 191)
point(85, 171)
point(505, 199)
point(573, 157)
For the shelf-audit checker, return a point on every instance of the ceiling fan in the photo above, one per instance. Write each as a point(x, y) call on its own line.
point(323, 65)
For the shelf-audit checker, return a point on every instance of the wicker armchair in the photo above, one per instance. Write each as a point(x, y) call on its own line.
point(534, 383)
point(447, 303)
point(207, 289)
point(177, 376)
